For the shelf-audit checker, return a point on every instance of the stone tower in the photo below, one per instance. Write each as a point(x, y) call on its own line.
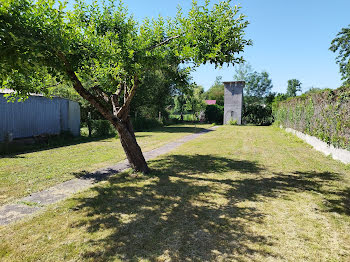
point(233, 101)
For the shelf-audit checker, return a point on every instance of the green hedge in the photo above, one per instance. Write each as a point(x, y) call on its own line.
point(257, 114)
point(325, 114)
point(143, 124)
point(101, 128)
point(214, 114)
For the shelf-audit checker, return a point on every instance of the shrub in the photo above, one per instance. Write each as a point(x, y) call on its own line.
point(171, 121)
point(102, 128)
point(214, 114)
point(232, 122)
point(142, 123)
point(257, 114)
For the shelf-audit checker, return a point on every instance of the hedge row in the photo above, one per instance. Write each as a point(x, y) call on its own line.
point(324, 114)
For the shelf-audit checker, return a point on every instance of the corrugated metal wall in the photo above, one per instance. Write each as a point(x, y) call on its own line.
point(38, 115)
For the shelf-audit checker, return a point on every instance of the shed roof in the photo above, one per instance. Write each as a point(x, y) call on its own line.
point(9, 91)
point(210, 102)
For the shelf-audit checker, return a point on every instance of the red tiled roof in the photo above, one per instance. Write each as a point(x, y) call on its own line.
point(210, 102)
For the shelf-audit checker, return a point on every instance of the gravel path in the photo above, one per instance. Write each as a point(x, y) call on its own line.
point(37, 201)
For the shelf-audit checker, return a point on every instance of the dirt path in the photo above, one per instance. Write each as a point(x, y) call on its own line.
point(31, 204)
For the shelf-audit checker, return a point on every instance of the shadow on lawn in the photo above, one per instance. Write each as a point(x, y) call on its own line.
point(341, 203)
point(174, 213)
point(18, 147)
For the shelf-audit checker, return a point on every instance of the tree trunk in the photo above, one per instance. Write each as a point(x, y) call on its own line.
point(121, 121)
point(131, 148)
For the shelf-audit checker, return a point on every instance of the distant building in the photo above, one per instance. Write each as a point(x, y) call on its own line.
point(210, 102)
point(38, 115)
point(233, 101)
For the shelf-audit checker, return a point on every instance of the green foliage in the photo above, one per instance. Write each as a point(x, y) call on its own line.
point(232, 122)
point(155, 94)
point(191, 100)
point(242, 72)
point(102, 128)
point(325, 115)
point(41, 41)
point(277, 99)
point(180, 104)
point(294, 86)
point(257, 96)
point(341, 45)
point(214, 114)
point(143, 123)
point(257, 114)
point(314, 90)
point(258, 85)
point(195, 101)
point(216, 91)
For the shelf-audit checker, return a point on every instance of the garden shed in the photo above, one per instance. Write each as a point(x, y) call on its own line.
point(36, 116)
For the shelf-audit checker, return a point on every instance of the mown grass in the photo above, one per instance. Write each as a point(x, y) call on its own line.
point(235, 194)
point(22, 174)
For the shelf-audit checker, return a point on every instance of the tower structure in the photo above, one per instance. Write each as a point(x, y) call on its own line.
point(233, 101)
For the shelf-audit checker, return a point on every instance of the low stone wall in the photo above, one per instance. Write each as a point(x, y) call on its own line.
point(340, 154)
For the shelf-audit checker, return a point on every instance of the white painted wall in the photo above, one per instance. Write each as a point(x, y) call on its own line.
point(340, 154)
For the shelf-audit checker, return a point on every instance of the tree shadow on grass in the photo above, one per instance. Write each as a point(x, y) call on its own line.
point(340, 202)
point(187, 210)
point(18, 148)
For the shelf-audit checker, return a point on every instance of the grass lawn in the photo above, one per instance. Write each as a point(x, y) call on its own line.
point(239, 193)
point(22, 174)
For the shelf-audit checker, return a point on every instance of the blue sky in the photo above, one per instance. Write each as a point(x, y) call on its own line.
point(291, 38)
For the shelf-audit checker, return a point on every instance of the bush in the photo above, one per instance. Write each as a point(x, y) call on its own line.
point(214, 114)
point(232, 122)
point(257, 114)
point(102, 128)
point(171, 121)
point(325, 115)
point(142, 123)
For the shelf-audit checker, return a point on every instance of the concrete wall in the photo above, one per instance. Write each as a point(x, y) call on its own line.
point(38, 115)
point(233, 101)
point(340, 154)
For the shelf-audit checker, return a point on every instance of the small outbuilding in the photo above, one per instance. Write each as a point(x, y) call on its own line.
point(233, 101)
point(36, 116)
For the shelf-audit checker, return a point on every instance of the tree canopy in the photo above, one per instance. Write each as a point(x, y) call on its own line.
point(104, 53)
point(216, 91)
point(294, 86)
point(258, 85)
point(257, 95)
point(341, 44)
point(195, 100)
point(242, 72)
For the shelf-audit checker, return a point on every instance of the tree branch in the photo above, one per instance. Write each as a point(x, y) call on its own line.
point(102, 94)
point(77, 85)
point(125, 92)
point(124, 109)
point(164, 42)
point(118, 92)
point(115, 104)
